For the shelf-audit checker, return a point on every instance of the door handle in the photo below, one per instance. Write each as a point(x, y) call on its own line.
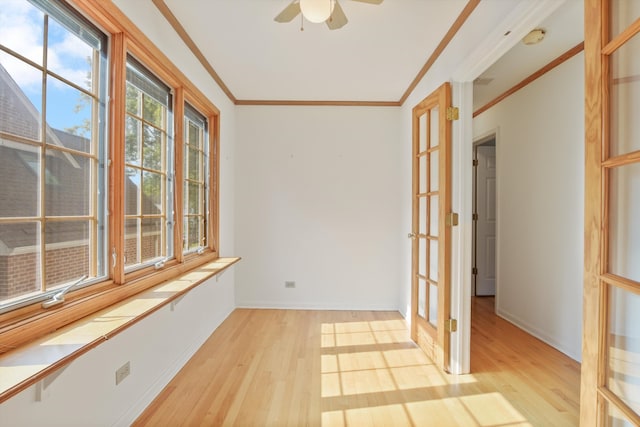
point(411, 236)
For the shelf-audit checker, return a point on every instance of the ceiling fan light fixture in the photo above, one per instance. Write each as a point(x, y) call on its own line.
point(316, 11)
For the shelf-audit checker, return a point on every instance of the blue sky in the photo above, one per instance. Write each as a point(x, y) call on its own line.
point(21, 29)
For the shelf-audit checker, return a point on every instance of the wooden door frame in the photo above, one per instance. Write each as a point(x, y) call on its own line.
point(594, 194)
point(597, 47)
point(441, 97)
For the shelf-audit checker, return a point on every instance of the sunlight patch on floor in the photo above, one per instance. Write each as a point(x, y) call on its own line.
point(399, 385)
point(390, 415)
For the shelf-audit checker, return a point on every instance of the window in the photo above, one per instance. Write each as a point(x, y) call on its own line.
point(108, 165)
point(196, 170)
point(148, 183)
point(52, 150)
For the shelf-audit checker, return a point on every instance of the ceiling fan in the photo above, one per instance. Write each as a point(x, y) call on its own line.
point(317, 11)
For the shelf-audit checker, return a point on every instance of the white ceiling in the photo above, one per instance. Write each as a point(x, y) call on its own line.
point(375, 57)
point(564, 30)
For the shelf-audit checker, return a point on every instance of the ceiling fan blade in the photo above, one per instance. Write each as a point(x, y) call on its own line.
point(337, 19)
point(370, 1)
point(289, 12)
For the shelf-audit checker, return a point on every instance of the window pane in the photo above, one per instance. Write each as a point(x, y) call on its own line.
point(151, 193)
point(134, 100)
point(132, 231)
point(153, 112)
point(151, 238)
point(68, 116)
point(624, 224)
point(69, 56)
point(20, 178)
point(195, 171)
point(42, 183)
point(67, 252)
point(195, 164)
point(20, 98)
point(194, 198)
point(150, 164)
point(19, 259)
point(152, 154)
point(132, 141)
point(194, 136)
point(132, 181)
point(625, 98)
point(22, 29)
point(194, 233)
point(624, 346)
point(68, 184)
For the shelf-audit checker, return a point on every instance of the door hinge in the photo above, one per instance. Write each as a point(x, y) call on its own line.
point(453, 113)
point(451, 325)
point(475, 162)
point(474, 271)
point(452, 219)
point(475, 217)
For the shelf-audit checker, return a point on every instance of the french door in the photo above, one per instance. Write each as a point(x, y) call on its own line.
point(431, 235)
point(610, 392)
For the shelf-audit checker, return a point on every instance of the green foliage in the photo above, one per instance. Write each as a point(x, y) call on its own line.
point(145, 144)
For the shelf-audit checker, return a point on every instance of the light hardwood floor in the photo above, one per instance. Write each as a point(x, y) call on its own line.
point(345, 368)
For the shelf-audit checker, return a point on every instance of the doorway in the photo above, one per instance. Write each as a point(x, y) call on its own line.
point(484, 217)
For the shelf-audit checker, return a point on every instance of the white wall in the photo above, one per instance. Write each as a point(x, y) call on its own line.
point(540, 180)
point(318, 202)
point(84, 393)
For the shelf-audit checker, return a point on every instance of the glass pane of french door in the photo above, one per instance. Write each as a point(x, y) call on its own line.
point(624, 346)
point(427, 196)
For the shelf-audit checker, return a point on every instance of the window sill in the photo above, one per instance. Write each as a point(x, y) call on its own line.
point(32, 362)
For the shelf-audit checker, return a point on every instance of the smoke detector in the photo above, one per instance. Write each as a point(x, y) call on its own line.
point(534, 37)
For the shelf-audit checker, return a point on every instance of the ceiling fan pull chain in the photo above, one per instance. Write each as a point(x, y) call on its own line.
point(301, 22)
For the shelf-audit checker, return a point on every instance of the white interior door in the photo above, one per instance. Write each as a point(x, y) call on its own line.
point(486, 220)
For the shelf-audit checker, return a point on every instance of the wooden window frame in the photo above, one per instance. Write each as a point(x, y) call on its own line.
point(206, 171)
point(44, 148)
point(25, 324)
point(165, 171)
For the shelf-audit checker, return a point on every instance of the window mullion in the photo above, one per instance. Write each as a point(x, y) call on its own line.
point(179, 175)
point(43, 158)
point(117, 158)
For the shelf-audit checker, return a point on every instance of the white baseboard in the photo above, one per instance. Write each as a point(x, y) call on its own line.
point(321, 306)
point(544, 337)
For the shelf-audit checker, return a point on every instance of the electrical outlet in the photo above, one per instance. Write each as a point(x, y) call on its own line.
point(289, 284)
point(123, 372)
